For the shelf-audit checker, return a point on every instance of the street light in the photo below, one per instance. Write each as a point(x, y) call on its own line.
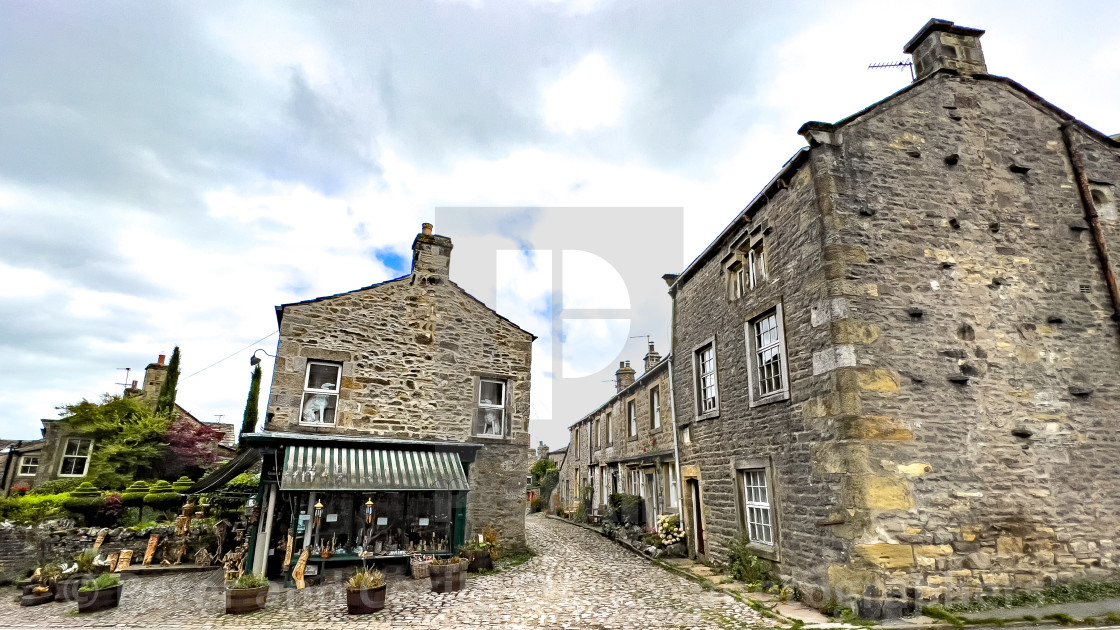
point(255, 360)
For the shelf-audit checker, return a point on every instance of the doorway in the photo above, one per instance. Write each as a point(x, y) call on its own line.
point(697, 518)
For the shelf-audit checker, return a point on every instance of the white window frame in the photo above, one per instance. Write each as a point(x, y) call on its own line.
point(758, 506)
point(66, 456)
point(635, 481)
point(610, 431)
point(754, 378)
point(304, 399)
point(655, 408)
point(700, 376)
point(25, 464)
point(756, 264)
point(632, 417)
point(503, 429)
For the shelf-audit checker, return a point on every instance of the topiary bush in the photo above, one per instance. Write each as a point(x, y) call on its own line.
point(85, 501)
point(161, 496)
point(133, 496)
point(182, 484)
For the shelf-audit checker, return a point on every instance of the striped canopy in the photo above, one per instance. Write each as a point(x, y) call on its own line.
point(368, 469)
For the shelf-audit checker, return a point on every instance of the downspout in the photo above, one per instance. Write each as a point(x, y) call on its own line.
point(673, 417)
point(1092, 218)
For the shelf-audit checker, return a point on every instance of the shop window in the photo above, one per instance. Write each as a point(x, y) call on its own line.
point(632, 418)
point(320, 392)
point(28, 466)
point(490, 418)
point(75, 458)
point(655, 408)
point(766, 347)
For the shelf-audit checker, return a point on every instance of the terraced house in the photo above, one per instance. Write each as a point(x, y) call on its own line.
point(626, 445)
point(896, 368)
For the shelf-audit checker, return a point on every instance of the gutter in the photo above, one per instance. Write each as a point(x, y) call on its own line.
point(1092, 218)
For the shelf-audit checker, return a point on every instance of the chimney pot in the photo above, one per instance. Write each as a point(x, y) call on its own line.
point(426, 229)
point(942, 45)
point(134, 383)
point(161, 358)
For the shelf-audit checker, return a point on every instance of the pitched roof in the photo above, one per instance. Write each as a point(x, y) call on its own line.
point(228, 431)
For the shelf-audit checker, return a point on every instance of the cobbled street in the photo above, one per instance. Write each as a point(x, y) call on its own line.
point(577, 580)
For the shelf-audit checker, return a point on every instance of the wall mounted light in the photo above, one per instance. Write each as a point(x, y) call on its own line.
point(255, 360)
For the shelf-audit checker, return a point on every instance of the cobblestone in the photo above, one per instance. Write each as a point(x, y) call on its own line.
point(578, 580)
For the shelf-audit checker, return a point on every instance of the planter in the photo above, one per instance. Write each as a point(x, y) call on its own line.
point(365, 601)
point(92, 601)
point(245, 600)
point(67, 590)
point(447, 577)
point(33, 599)
point(480, 560)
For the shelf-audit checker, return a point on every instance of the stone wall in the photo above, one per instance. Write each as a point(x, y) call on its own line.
point(412, 352)
point(983, 454)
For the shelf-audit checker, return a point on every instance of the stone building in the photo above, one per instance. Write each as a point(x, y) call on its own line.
point(896, 367)
point(60, 455)
point(398, 417)
point(626, 445)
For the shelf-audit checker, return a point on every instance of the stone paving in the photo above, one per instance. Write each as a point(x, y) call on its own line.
point(578, 580)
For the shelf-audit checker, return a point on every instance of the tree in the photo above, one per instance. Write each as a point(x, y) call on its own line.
point(166, 402)
point(249, 422)
point(189, 449)
point(128, 437)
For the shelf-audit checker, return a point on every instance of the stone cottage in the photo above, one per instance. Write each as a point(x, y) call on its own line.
point(896, 368)
point(626, 445)
point(397, 419)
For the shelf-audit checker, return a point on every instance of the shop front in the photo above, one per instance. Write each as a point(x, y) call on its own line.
point(347, 503)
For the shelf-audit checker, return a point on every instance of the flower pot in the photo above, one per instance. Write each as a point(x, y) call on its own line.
point(364, 601)
point(446, 577)
point(245, 600)
point(92, 601)
point(480, 560)
point(67, 589)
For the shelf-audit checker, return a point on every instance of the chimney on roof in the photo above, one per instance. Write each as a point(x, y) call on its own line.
point(431, 256)
point(942, 45)
point(624, 376)
point(652, 357)
point(161, 358)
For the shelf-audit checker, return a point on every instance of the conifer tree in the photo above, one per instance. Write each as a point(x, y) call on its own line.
point(165, 404)
point(249, 422)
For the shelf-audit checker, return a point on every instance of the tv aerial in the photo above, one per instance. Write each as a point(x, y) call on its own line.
point(894, 64)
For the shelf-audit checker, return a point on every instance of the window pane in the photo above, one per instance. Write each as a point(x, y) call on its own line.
point(319, 408)
point(320, 376)
point(492, 393)
point(490, 422)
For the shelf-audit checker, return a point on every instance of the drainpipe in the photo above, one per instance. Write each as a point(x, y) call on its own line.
point(673, 417)
point(1092, 218)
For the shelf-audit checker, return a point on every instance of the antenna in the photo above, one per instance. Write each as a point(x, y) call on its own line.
point(894, 64)
point(219, 416)
point(126, 383)
point(646, 337)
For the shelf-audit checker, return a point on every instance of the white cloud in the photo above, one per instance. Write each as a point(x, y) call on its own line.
point(590, 96)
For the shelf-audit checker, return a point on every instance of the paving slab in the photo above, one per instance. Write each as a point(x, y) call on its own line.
point(1077, 610)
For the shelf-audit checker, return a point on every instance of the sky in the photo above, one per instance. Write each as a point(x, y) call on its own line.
point(171, 171)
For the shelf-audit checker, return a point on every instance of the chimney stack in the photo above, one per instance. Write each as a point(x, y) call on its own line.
point(161, 358)
point(624, 377)
point(942, 45)
point(431, 256)
point(652, 357)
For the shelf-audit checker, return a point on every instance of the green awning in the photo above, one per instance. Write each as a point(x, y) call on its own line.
point(370, 469)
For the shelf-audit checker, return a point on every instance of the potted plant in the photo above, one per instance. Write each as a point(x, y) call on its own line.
point(100, 593)
point(67, 587)
point(478, 553)
point(247, 594)
point(448, 574)
point(365, 592)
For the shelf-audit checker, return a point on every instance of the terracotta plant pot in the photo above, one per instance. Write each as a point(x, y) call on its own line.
point(92, 601)
point(245, 600)
point(366, 600)
point(447, 577)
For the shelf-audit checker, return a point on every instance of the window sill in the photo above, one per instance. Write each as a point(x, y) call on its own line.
point(318, 424)
point(494, 438)
point(74, 476)
point(768, 552)
point(772, 398)
point(708, 415)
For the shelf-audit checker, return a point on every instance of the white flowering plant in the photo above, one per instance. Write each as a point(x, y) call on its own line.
point(669, 529)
